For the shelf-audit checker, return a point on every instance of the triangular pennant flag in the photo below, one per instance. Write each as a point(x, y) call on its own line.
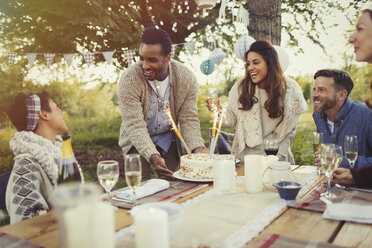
point(68, 58)
point(88, 57)
point(108, 56)
point(222, 13)
point(11, 58)
point(129, 55)
point(31, 59)
point(49, 58)
point(190, 47)
point(173, 51)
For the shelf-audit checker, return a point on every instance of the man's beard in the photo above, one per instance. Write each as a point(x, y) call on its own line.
point(329, 104)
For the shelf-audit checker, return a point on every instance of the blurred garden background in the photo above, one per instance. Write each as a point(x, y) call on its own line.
point(88, 93)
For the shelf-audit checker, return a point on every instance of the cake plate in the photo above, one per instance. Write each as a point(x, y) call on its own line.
point(177, 175)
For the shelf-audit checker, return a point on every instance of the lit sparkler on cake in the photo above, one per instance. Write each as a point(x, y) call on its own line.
point(214, 129)
point(174, 126)
point(217, 131)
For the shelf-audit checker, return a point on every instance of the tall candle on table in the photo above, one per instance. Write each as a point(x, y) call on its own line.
point(89, 225)
point(83, 220)
point(151, 228)
point(254, 166)
point(224, 175)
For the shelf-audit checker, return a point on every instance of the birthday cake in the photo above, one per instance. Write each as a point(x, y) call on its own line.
point(196, 166)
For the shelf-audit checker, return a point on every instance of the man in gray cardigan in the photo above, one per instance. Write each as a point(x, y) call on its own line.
point(145, 89)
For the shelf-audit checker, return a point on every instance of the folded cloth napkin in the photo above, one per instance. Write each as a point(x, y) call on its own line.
point(149, 188)
point(349, 212)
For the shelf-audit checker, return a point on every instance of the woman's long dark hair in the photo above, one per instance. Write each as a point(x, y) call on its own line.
point(275, 85)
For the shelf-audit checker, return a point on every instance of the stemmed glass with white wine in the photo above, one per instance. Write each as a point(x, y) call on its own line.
point(351, 149)
point(335, 152)
point(213, 98)
point(133, 176)
point(108, 175)
point(332, 157)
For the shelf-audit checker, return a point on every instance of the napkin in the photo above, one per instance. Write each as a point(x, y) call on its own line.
point(149, 188)
point(349, 212)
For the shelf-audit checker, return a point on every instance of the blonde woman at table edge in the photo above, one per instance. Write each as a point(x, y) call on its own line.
point(263, 105)
point(362, 41)
point(38, 152)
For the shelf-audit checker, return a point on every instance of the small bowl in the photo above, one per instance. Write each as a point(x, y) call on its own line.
point(288, 190)
point(174, 210)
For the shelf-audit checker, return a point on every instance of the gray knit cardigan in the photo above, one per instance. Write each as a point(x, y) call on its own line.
point(134, 93)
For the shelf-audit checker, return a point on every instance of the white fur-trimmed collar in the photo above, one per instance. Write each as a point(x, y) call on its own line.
point(49, 155)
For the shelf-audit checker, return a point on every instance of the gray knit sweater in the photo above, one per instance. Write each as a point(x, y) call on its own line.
point(34, 175)
point(134, 93)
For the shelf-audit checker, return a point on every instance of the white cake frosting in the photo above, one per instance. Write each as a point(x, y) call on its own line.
point(197, 166)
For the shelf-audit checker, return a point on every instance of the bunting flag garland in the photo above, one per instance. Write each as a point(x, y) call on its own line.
point(190, 47)
point(108, 56)
point(68, 58)
point(173, 50)
point(88, 57)
point(31, 59)
point(11, 58)
point(129, 55)
point(49, 58)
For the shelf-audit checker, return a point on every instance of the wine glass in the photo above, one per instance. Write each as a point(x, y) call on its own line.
point(213, 99)
point(271, 146)
point(351, 149)
point(132, 169)
point(327, 159)
point(317, 140)
point(108, 175)
point(337, 154)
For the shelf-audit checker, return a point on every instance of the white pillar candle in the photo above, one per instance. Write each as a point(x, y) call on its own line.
point(254, 166)
point(224, 176)
point(151, 228)
point(88, 225)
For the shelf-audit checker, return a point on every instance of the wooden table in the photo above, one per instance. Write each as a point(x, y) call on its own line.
point(300, 224)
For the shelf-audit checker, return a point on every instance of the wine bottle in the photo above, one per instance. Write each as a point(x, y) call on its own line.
point(69, 169)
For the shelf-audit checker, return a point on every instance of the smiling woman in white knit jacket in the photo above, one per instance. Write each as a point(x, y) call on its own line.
point(264, 105)
point(37, 151)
